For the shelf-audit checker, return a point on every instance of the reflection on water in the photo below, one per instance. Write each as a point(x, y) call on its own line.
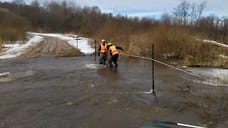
point(94, 66)
point(58, 92)
point(6, 79)
point(109, 74)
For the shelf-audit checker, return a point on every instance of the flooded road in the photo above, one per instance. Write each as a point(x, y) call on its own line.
point(75, 92)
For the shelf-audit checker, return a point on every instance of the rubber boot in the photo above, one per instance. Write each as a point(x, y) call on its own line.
point(115, 63)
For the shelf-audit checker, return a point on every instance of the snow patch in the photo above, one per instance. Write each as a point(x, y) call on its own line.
point(81, 44)
point(168, 55)
point(216, 74)
point(4, 74)
point(224, 57)
point(9, 46)
point(215, 42)
point(17, 50)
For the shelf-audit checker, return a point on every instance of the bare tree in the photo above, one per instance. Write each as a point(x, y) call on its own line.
point(182, 12)
point(166, 18)
point(193, 13)
point(199, 13)
point(35, 4)
point(187, 11)
point(19, 2)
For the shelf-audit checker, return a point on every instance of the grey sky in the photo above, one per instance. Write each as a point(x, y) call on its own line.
point(148, 7)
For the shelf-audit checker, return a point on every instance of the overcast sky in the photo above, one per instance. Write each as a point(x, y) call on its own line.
point(147, 8)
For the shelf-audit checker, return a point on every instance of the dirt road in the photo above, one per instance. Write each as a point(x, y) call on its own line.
point(52, 46)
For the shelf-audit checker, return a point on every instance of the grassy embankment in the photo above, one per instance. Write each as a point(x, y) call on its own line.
point(174, 44)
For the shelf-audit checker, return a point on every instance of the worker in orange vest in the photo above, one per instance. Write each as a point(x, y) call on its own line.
point(103, 49)
point(114, 54)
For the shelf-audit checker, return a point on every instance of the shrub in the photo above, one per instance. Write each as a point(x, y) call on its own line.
point(12, 27)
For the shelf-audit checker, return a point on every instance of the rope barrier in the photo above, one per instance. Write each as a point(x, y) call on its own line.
point(173, 67)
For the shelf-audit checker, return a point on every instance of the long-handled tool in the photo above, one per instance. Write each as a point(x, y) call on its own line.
point(177, 124)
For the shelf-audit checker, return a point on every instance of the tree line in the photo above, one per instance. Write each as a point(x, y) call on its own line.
point(68, 17)
point(175, 32)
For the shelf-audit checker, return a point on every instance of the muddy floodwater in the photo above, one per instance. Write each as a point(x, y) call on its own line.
point(75, 92)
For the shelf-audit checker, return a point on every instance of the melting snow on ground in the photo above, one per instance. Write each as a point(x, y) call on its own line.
point(81, 44)
point(224, 57)
point(10, 46)
point(215, 42)
point(15, 50)
point(4, 74)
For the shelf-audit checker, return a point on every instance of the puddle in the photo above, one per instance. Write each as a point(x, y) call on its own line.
point(95, 66)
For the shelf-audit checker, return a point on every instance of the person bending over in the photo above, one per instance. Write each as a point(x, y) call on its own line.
point(114, 54)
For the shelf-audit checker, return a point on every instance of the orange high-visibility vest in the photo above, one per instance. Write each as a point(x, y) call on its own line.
point(113, 50)
point(103, 48)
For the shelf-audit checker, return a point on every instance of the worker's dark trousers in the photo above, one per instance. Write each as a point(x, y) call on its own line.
point(114, 59)
point(103, 58)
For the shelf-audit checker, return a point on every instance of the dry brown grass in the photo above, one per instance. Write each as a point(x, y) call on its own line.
point(2, 45)
point(166, 40)
point(171, 42)
point(207, 55)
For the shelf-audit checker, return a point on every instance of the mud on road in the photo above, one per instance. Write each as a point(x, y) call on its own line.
point(51, 46)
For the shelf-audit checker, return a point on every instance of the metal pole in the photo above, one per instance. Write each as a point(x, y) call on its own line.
point(153, 68)
point(95, 51)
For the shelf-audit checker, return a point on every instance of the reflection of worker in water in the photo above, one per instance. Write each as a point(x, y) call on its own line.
point(109, 75)
point(103, 52)
point(114, 54)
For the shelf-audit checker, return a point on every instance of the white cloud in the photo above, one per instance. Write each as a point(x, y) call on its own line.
point(218, 7)
point(145, 14)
